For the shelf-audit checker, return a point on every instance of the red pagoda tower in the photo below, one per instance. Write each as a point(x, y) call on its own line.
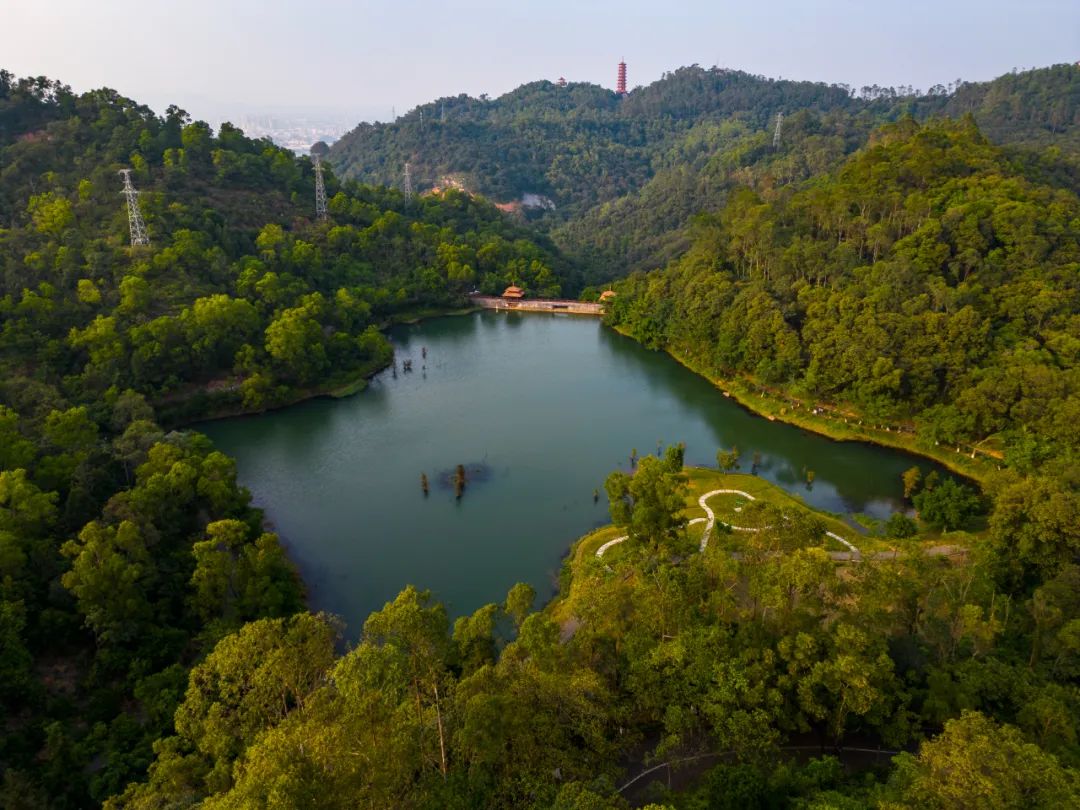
point(620, 88)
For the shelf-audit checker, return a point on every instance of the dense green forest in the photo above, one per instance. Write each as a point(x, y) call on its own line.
point(626, 175)
point(582, 144)
point(154, 647)
point(579, 144)
point(127, 549)
point(929, 277)
point(647, 227)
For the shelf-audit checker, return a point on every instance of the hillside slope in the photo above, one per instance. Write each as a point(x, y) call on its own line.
point(579, 144)
point(927, 277)
point(625, 176)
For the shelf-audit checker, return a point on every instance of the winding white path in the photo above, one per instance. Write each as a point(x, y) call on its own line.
point(710, 521)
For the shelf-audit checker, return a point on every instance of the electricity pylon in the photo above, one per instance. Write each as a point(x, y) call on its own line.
point(320, 189)
point(135, 220)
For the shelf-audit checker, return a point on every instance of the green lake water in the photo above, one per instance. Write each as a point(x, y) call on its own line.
point(540, 408)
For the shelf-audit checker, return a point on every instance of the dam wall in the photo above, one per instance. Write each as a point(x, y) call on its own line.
point(537, 305)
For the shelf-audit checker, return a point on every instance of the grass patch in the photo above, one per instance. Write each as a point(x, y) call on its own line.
point(724, 506)
point(728, 508)
point(583, 566)
point(869, 522)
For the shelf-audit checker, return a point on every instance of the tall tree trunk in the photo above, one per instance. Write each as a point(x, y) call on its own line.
point(442, 738)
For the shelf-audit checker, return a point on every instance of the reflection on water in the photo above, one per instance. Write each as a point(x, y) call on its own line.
point(540, 409)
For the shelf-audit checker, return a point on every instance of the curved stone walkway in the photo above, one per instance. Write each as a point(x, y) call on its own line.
point(710, 521)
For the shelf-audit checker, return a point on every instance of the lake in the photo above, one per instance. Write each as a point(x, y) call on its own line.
point(539, 408)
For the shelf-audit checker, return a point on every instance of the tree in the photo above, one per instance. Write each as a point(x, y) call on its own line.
point(217, 326)
point(854, 678)
point(418, 629)
point(135, 295)
point(911, 477)
point(976, 763)
point(51, 213)
point(295, 342)
point(674, 456)
point(727, 460)
point(1035, 527)
point(111, 578)
point(133, 445)
point(72, 430)
point(899, 526)
point(15, 450)
point(87, 292)
point(130, 406)
point(237, 579)
point(252, 681)
point(17, 681)
point(474, 638)
point(947, 506)
point(519, 603)
point(24, 509)
point(1055, 613)
point(648, 503)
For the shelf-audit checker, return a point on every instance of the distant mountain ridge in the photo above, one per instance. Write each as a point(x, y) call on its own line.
point(582, 144)
point(577, 144)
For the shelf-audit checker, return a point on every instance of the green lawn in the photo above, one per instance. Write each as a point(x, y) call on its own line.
point(728, 508)
point(724, 506)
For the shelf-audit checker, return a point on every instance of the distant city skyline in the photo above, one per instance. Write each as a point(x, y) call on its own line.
point(352, 61)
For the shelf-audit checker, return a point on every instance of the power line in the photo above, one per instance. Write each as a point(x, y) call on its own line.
point(135, 220)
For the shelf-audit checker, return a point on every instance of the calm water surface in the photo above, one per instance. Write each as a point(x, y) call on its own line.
point(543, 407)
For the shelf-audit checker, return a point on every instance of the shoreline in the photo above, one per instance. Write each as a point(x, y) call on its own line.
point(338, 389)
point(756, 402)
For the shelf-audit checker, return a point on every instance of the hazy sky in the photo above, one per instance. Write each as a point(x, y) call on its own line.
point(359, 58)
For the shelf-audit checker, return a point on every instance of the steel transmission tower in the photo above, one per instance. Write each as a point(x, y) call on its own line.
point(408, 183)
point(320, 188)
point(776, 134)
point(135, 220)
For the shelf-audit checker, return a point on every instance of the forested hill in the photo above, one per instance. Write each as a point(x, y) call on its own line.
point(582, 145)
point(578, 144)
point(234, 253)
point(928, 278)
point(1039, 107)
point(126, 549)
